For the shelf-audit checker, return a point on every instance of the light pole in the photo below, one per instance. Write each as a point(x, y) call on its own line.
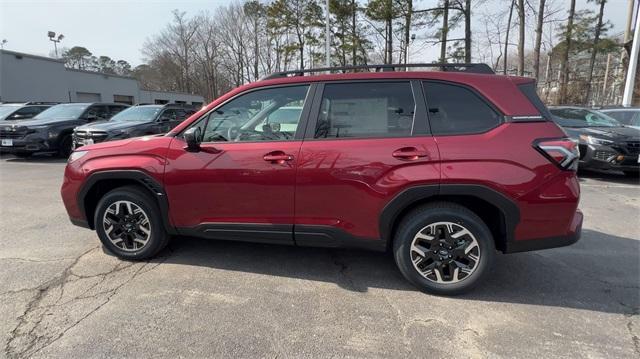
point(52, 37)
point(327, 38)
point(408, 50)
point(627, 98)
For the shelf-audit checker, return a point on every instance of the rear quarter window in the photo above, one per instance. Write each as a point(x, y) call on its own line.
point(529, 91)
point(455, 109)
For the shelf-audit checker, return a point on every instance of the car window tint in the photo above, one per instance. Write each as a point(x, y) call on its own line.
point(246, 118)
point(367, 109)
point(114, 110)
point(169, 114)
point(25, 113)
point(455, 109)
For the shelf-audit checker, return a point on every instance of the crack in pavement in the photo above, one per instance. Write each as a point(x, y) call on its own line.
point(634, 338)
point(32, 260)
point(43, 323)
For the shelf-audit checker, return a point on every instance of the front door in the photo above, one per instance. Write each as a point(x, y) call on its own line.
point(370, 141)
point(241, 184)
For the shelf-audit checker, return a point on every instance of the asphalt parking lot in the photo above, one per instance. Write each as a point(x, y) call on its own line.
point(62, 296)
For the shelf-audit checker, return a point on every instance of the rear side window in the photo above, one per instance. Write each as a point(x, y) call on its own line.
point(455, 110)
point(529, 90)
point(367, 109)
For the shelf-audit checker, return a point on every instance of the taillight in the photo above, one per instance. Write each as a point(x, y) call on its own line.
point(561, 151)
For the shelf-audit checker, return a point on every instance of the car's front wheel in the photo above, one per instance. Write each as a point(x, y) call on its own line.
point(443, 248)
point(129, 224)
point(65, 146)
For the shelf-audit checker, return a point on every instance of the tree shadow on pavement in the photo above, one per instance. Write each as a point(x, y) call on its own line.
point(599, 273)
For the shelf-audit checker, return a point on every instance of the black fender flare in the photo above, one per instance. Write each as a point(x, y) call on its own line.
point(142, 178)
point(412, 195)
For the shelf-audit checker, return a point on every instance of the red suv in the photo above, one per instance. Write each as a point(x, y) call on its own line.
point(441, 167)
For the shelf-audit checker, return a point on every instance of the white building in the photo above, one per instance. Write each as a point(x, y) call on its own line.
point(25, 77)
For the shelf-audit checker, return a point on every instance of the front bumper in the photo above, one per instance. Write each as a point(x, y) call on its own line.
point(607, 158)
point(28, 144)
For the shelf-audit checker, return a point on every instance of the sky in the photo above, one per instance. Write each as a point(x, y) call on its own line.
point(119, 28)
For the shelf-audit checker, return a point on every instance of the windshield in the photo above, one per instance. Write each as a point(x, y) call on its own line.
point(62, 111)
point(6, 110)
point(630, 117)
point(137, 114)
point(579, 117)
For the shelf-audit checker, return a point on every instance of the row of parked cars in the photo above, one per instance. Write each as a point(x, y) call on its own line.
point(35, 127)
point(607, 138)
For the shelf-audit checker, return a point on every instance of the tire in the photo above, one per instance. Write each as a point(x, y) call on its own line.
point(632, 174)
point(439, 268)
point(23, 154)
point(131, 201)
point(65, 147)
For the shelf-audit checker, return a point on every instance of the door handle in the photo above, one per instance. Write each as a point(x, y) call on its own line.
point(409, 154)
point(277, 157)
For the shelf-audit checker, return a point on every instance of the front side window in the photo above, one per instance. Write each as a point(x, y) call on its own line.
point(115, 109)
point(455, 110)
point(252, 116)
point(98, 113)
point(367, 109)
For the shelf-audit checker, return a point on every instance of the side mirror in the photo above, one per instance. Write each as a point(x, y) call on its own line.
point(91, 118)
point(192, 138)
point(164, 119)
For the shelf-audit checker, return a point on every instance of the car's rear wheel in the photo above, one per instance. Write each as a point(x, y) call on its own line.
point(129, 224)
point(443, 248)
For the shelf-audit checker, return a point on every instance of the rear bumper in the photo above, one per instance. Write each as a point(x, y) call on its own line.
point(571, 237)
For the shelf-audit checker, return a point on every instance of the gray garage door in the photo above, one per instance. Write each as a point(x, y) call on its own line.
point(87, 97)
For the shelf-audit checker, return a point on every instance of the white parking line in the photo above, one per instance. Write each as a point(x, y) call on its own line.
point(608, 186)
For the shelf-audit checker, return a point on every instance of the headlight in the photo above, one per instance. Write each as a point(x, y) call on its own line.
point(595, 140)
point(77, 155)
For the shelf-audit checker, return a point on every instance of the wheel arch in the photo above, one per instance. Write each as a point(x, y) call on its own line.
point(100, 183)
point(499, 212)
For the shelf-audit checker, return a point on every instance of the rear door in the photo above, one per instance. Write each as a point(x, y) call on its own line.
point(368, 141)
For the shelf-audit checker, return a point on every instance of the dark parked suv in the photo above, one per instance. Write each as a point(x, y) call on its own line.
point(441, 167)
point(50, 130)
point(135, 121)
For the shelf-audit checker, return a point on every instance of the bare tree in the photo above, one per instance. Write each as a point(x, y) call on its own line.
point(521, 27)
point(594, 51)
point(538, 40)
point(564, 60)
point(506, 38)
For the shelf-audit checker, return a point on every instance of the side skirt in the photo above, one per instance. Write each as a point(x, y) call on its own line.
point(303, 235)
